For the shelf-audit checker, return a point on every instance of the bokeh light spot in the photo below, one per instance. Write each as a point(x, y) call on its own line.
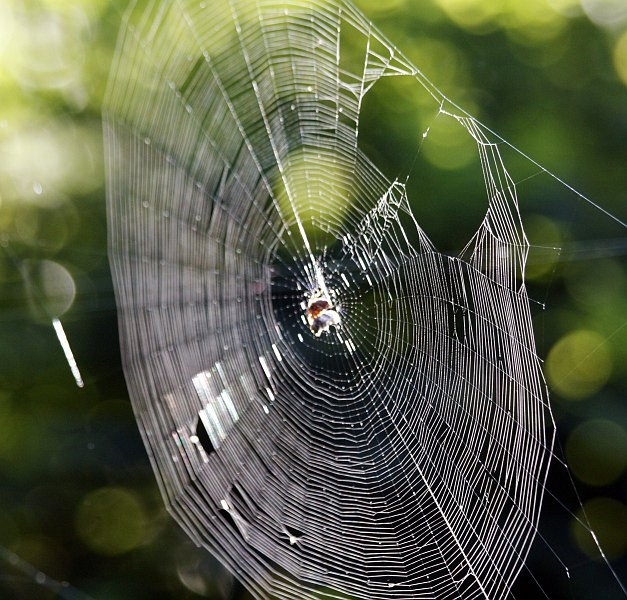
point(46, 49)
point(606, 13)
point(608, 520)
point(45, 159)
point(620, 57)
point(567, 8)
point(530, 22)
point(545, 237)
point(478, 16)
point(50, 288)
point(201, 573)
point(448, 146)
point(441, 57)
point(26, 224)
point(596, 452)
point(579, 364)
point(111, 521)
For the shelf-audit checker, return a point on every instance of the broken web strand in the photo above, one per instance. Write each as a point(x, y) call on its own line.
point(506, 274)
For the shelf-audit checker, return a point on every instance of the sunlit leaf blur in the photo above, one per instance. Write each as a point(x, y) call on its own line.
point(78, 501)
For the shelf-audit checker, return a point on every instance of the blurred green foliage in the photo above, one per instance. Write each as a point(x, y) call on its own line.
point(78, 500)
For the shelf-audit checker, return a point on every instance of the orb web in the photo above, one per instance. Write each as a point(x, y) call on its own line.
point(398, 450)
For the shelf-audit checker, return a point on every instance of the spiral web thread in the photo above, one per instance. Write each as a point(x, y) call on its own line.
point(403, 452)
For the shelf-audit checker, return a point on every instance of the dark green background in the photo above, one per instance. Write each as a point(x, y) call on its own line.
point(77, 497)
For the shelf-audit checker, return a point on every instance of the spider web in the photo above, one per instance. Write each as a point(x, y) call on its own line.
point(403, 453)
